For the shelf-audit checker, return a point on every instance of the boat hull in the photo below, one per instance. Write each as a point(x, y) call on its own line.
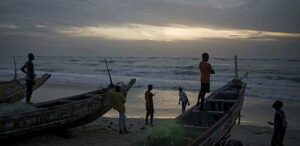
point(58, 114)
point(216, 132)
point(14, 91)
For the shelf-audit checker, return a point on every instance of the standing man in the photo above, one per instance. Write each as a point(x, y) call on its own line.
point(280, 124)
point(149, 105)
point(183, 99)
point(28, 69)
point(118, 103)
point(205, 70)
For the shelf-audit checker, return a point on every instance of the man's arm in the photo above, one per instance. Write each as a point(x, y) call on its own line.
point(211, 70)
point(23, 68)
point(188, 102)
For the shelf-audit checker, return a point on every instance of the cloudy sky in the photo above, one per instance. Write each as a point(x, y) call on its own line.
point(249, 28)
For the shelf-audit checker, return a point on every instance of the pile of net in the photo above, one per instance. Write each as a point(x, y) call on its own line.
point(166, 134)
point(8, 109)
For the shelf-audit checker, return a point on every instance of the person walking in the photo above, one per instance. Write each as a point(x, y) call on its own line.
point(28, 69)
point(183, 99)
point(205, 71)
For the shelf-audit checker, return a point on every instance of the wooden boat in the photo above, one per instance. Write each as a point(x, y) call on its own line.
point(60, 114)
point(213, 125)
point(15, 90)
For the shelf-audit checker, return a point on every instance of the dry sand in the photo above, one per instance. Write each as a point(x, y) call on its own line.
point(253, 130)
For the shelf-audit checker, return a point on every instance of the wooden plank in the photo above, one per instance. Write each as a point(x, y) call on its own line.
point(216, 112)
point(220, 100)
point(197, 127)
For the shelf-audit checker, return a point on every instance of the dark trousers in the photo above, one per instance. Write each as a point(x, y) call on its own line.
point(278, 136)
point(183, 106)
point(201, 96)
point(150, 113)
point(29, 86)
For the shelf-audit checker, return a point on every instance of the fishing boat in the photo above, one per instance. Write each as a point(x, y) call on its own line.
point(60, 114)
point(212, 126)
point(15, 90)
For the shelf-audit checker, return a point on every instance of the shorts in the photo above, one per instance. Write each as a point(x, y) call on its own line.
point(29, 86)
point(205, 88)
point(150, 110)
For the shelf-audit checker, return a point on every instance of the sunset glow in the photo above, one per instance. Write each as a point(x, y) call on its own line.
point(172, 33)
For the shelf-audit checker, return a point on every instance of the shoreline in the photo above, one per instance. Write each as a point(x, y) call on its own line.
point(253, 130)
point(255, 111)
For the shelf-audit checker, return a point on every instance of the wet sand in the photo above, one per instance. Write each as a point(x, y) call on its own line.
point(253, 130)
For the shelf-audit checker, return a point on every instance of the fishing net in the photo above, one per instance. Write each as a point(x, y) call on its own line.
point(166, 134)
point(8, 109)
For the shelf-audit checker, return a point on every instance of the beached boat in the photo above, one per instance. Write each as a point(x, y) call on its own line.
point(212, 126)
point(15, 90)
point(60, 114)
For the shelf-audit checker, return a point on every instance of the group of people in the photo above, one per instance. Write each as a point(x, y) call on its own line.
point(118, 99)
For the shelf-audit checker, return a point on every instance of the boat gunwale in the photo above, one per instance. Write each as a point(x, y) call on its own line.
point(40, 109)
point(199, 140)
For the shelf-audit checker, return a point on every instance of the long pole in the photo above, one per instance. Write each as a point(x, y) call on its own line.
point(15, 65)
point(108, 72)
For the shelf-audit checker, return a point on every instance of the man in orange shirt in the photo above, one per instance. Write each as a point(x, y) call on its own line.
point(205, 70)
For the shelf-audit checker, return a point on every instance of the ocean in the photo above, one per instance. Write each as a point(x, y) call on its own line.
point(267, 78)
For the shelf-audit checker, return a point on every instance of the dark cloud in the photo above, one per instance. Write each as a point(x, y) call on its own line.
point(34, 24)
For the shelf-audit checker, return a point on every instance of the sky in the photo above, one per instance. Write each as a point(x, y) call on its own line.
point(181, 28)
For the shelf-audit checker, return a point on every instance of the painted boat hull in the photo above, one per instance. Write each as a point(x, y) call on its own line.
point(60, 114)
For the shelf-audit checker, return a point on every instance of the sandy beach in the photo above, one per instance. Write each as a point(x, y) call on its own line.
point(253, 130)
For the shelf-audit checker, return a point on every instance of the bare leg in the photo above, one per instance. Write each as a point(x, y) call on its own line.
point(147, 116)
point(202, 101)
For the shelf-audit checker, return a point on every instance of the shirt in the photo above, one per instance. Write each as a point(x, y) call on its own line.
point(205, 70)
point(280, 120)
point(183, 97)
point(118, 101)
point(149, 99)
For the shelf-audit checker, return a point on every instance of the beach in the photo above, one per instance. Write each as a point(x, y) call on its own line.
point(253, 130)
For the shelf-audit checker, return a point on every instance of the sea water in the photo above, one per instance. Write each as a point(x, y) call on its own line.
point(267, 78)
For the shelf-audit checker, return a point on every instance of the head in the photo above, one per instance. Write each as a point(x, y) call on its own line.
point(205, 56)
point(277, 105)
point(118, 88)
point(150, 87)
point(180, 89)
point(30, 56)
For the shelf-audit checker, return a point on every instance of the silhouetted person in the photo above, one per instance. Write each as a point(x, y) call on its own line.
point(149, 105)
point(280, 124)
point(205, 70)
point(183, 99)
point(118, 103)
point(30, 75)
